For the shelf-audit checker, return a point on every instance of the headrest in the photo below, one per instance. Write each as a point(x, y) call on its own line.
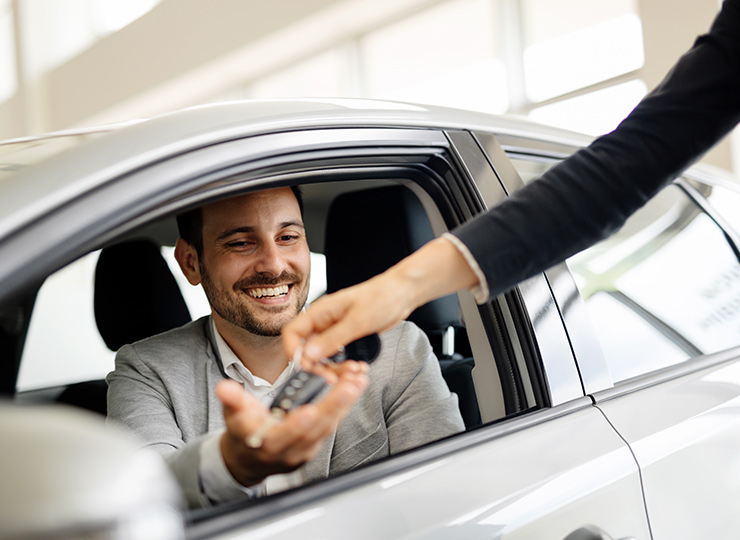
point(136, 295)
point(369, 231)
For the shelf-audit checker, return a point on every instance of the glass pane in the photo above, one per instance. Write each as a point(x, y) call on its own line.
point(445, 55)
point(529, 168)
point(663, 289)
point(572, 44)
point(727, 202)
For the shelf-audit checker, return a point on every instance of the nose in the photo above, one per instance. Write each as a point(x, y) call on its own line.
point(270, 260)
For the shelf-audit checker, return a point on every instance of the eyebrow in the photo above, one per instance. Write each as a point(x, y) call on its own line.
point(250, 229)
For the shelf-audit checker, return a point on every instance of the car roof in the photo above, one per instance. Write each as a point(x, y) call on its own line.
point(109, 151)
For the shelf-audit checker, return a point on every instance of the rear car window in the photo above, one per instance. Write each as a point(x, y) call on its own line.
point(664, 289)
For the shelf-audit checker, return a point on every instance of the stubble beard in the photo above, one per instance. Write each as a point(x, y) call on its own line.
point(232, 310)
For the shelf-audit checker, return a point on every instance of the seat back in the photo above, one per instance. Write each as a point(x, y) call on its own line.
point(367, 232)
point(136, 296)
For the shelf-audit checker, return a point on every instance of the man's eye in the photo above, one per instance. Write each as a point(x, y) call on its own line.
point(288, 237)
point(239, 244)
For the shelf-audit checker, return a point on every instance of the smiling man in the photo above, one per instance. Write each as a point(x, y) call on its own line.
point(198, 392)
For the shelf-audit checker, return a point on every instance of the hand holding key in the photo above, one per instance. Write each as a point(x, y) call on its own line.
point(288, 442)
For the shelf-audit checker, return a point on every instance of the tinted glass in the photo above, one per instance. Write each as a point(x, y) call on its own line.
point(664, 289)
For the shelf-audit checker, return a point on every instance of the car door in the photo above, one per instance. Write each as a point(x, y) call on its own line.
point(544, 462)
point(677, 383)
point(657, 308)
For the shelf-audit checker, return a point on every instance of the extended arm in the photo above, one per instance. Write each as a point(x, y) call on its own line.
point(574, 205)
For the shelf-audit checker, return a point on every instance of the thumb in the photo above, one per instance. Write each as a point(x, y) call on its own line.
point(233, 397)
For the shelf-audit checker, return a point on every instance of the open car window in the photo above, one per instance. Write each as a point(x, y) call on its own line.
point(362, 214)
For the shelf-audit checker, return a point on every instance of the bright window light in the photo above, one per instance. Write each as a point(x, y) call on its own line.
point(567, 53)
point(594, 113)
point(479, 87)
point(109, 17)
point(319, 76)
point(8, 78)
point(445, 55)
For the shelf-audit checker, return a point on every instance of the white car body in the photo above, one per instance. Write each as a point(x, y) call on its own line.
point(565, 447)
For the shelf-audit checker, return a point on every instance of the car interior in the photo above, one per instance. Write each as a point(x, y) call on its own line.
point(361, 227)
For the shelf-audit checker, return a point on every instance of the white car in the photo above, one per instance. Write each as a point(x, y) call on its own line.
point(601, 398)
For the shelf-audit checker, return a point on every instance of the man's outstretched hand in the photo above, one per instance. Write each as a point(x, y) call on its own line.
point(294, 440)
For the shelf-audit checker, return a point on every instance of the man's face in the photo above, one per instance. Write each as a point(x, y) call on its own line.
point(255, 264)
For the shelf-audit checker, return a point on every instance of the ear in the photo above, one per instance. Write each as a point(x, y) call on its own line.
point(187, 258)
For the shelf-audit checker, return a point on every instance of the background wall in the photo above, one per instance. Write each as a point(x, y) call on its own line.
point(580, 64)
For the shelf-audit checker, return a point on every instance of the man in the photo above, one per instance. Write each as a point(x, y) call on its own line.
point(251, 256)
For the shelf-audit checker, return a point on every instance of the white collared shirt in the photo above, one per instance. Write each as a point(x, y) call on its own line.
point(215, 478)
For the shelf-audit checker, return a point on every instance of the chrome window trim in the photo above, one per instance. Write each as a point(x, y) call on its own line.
point(667, 374)
point(732, 236)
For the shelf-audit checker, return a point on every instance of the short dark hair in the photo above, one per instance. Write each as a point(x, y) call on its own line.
point(190, 223)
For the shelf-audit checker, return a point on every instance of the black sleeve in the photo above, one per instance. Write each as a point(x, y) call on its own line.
point(591, 194)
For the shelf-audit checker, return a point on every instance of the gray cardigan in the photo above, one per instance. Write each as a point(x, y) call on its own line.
point(162, 389)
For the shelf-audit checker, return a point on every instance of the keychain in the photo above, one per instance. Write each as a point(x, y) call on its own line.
point(304, 387)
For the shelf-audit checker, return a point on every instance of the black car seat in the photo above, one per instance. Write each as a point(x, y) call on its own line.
point(136, 296)
point(370, 230)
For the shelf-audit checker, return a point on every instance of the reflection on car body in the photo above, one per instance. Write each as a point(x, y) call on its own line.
point(601, 395)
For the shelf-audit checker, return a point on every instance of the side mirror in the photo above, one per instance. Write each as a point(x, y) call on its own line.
point(64, 473)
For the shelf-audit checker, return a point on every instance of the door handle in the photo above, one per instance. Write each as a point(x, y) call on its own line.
point(590, 532)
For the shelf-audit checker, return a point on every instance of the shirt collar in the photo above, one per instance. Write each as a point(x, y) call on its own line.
point(234, 368)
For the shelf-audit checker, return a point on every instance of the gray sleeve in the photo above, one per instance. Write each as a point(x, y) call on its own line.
point(138, 399)
point(422, 409)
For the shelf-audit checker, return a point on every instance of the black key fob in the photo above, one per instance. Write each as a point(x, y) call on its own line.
point(303, 387)
point(365, 349)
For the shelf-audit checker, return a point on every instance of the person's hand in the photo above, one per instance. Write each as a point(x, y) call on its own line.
point(376, 305)
point(293, 441)
point(337, 319)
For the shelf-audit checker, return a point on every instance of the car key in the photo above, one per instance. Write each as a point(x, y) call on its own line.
point(304, 387)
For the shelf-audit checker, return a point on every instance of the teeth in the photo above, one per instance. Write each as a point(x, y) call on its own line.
point(259, 292)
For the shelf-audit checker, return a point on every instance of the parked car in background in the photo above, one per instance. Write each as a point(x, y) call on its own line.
point(600, 398)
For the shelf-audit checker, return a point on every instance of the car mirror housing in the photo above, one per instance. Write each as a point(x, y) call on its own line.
point(81, 477)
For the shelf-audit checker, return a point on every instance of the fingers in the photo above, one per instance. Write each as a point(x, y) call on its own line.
point(307, 426)
point(331, 371)
point(294, 440)
point(243, 412)
point(322, 314)
point(337, 319)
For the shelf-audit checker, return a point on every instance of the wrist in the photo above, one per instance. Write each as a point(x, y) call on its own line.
point(235, 463)
point(435, 270)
